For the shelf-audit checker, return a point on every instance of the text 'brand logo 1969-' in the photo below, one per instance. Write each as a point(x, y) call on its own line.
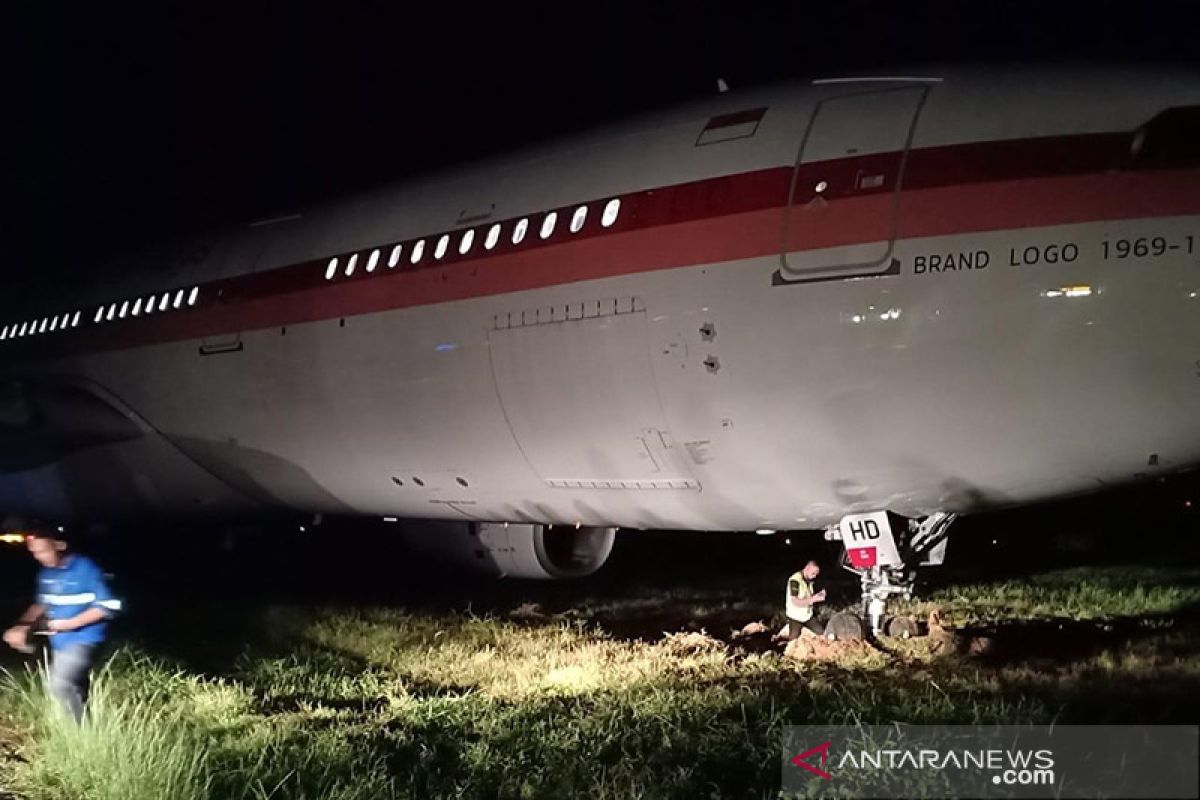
point(802, 760)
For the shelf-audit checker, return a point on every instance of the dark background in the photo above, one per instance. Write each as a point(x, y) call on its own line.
point(128, 125)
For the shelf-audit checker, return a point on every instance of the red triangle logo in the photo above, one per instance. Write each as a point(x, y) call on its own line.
point(802, 760)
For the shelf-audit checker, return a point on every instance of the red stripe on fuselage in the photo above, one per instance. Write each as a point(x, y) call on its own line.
point(947, 190)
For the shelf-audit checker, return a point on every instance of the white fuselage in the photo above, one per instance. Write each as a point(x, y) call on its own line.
point(674, 369)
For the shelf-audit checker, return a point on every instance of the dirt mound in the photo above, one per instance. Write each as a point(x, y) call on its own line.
point(810, 647)
point(754, 637)
point(751, 629)
point(940, 640)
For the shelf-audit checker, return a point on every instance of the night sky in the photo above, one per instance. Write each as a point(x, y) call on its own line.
point(123, 128)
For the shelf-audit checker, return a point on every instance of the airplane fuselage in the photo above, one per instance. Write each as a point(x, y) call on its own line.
point(773, 309)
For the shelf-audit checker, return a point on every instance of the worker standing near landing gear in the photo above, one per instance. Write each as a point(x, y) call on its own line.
point(800, 601)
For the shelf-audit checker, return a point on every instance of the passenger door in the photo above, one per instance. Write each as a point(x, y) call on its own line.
point(840, 218)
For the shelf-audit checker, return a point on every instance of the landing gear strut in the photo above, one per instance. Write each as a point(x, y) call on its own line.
point(884, 550)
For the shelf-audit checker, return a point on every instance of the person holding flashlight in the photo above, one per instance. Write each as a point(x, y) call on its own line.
point(73, 606)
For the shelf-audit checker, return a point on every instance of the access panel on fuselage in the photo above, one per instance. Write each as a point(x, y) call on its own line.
point(579, 394)
point(845, 190)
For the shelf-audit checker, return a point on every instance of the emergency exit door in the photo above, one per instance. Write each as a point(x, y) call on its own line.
point(840, 218)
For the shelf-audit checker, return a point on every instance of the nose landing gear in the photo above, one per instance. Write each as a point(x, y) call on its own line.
point(885, 550)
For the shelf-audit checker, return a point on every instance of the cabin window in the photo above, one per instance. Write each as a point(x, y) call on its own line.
point(417, 251)
point(611, 209)
point(394, 258)
point(493, 236)
point(442, 244)
point(548, 224)
point(464, 244)
point(578, 218)
point(373, 261)
point(519, 231)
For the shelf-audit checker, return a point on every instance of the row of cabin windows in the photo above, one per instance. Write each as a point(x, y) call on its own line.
point(148, 305)
point(155, 302)
point(520, 230)
point(44, 325)
point(116, 310)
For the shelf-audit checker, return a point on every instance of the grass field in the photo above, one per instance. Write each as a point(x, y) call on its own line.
point(643, 693)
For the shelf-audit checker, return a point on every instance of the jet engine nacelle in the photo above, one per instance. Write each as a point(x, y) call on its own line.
point(514, 550)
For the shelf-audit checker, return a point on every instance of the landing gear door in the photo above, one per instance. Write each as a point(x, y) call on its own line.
point(840, 219)
point(869, 540)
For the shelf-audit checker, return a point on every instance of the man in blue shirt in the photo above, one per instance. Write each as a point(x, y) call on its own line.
point(73, 605)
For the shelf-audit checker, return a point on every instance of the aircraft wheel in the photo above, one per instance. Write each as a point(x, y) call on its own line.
point(902, 628)
point(845, 626)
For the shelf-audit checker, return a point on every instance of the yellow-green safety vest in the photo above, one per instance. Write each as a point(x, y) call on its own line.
point(798, 586)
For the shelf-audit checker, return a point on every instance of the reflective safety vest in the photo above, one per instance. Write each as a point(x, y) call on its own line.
point(71, 588)
point(798, 586)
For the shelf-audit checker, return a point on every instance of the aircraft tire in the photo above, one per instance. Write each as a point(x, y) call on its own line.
point(902, 627)
point(845, 626)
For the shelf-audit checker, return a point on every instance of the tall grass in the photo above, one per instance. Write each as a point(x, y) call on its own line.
point(134, 742)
